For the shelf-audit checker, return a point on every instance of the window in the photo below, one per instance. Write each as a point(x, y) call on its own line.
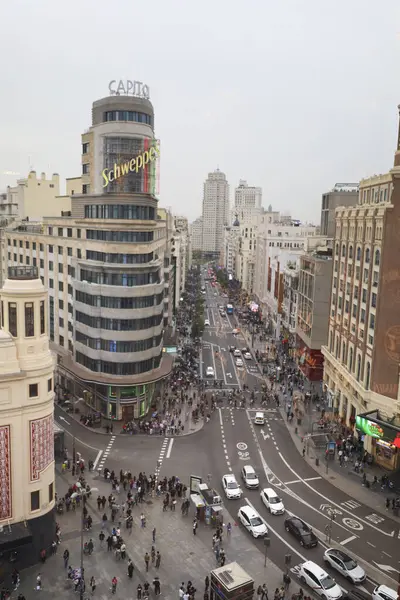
point(367, 255)
point(85, 169)
point(85, 148)
point(61, 322)
point(346, 306)
point(61, 340)
point(60, 232)
point(377, 258)
point(120, 211)
point(362, 316)
point(372, 321)
point(365, 275)
point(69, 232)
point(51, 492)
point(12, 319)
point(27, 245)
point(373, 300)
point(69, 251)
point(350, 251)
point(344, 250)
point(337, 250)
point(354, 313)
point(351, 353)
point(35, 500)
point(60, 286)
point(78, 233)
point(49, 384)
point(50, 231)
point(368, 376)
point(364, 295)
point(33, 390)
point(51, 283)
point(51, 265)
point(41, 263)
point(358, 253)
point(29, 319)
point(60, 267)
point(60, 249)
point(61, 304)
point(15, 243)
point(51, 249)
point(85, 189)
point(20, 244)
point(358, 367)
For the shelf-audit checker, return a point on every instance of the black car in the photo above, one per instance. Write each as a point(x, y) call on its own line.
point(301, 531)
point(232, 348)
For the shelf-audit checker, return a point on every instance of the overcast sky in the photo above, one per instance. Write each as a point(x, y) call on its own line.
point(292, 95)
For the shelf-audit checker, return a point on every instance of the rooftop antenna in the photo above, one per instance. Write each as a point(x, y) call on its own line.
point(30, 163)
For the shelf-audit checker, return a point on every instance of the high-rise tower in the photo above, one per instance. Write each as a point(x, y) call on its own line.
point(215, 212)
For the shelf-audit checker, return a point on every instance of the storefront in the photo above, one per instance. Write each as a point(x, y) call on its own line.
point(381, 438)
point(310, 361)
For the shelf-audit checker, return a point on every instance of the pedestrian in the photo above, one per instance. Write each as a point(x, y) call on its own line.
point(194, 526)
point(130, 569)
point(101, 538)
point(154, 535)
point(229, 529)
point(153, 554)
point(181, 592)
point(90, 546)
point(207, 582)
point(304, 451)
point(139, 592)
point(147, 560)
point(142, 520)
point(157, 586)
point(92, 584)
point(264, 591)
point(387, 503)
point(259, 592)
point(158, 559)
point(114, 583)
point(38, 582)
point(66, 558)
point(109, 543)
point(43, 555)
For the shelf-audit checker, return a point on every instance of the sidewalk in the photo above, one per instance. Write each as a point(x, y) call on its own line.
point(183, 556)
point(344, 478)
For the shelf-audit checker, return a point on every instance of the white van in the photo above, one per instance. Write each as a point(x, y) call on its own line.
point(259, 419)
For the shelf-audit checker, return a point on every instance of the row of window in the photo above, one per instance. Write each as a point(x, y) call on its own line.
point(348, 358)
point(34, 388)
point(110, 368)
point(377, 258)
point(118, 346)
point(118, 324)
point(125, 259)
point(29, 318)
point(119, 236)
point(35, 498)
point(120, 211)
point(128, 115)
point(124, 303)
point(122, 279)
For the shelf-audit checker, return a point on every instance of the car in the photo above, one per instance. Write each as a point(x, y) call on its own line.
point(231, 487)
point(244, 350)
point(346, 566)
point(357, 594)
point(207, 322)
point(259, 419)
point(247, 355)
point(249, 477)
point(210, 372)
point(272, 501)
point(239, 362)
point(237, 352)
point(232, 348)
point(383, 592)
point(235, 331)
point(252, 521)
point(301, 531)
point(319, 580)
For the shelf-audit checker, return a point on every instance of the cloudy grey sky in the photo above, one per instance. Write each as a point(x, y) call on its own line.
point(292, 95)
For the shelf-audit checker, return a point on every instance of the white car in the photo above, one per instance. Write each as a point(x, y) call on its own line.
point(272, 501)
point(259, 419)
point(383, 592)
point(345, 565)
point(252, 521)
point(207, 322)
point(239, 362)
point(319, 580)
point(231, 487)
point(235, 331)
point(249, 477)
point(210, 372)
point(237, 353)
point(247, 356)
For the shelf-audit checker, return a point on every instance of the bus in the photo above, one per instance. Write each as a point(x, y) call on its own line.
point(229, 309)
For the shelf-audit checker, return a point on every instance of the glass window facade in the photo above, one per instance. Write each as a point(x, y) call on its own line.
point(119, 236)
point(29, 319)
point(128, 115)
point(120, 279)
point(120, 151)
point(111, 302)
point(131, 368)
point(12, 319)
point(119, 211)
point(118, 324)
point(125, 259)
point(118, 346)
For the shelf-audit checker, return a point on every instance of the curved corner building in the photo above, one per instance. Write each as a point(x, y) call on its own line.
point(108, 259)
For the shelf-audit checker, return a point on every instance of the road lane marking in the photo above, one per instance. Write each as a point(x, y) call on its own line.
point(369, 543)
point(312, 478)
point(348, 540)
point(171, 442)
point(77, 439)
point(96, 460)
point(290, 482)
point(331, 502)
point(389, 555)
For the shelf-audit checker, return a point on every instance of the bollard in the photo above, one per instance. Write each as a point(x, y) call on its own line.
point(317, 461)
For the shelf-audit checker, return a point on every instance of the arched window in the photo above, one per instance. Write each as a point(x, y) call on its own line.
point(351, 359)
point(368, 376)
point(377, 258)
point(330, 341)
point(358, 367)
point(350, 251)
point(367, 255)
point(358, 253)
point(344, 352)
point(337, 250)
point(344, 250)
point(337, 347)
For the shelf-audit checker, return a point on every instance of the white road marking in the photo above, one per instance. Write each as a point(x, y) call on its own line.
point(294, 481)
point(171, 443)
point(220, 418)
point(312, 478)
point(62, 419)
point(389, 555)
point(330, 501)
point(369, 543)
point(348, 540)
point(96, 460)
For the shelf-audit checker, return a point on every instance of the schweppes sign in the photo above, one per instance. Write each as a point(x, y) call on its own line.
point(130, 166)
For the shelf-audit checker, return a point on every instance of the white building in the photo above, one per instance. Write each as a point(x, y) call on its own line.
point(182, 255)
point(290, 296)
point(215, 212)
point(231, 247)
point(196, 234)
point(26, 417)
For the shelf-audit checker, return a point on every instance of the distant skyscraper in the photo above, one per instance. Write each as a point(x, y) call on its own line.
point(215, 211)
point(247, 196)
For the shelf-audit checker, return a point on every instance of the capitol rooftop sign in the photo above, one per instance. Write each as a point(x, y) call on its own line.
point(129, 88)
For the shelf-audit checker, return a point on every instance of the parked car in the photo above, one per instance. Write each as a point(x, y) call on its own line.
point(272, 501)
point(301, 531)
point(346, 566)
point(383, 592)
point(249, 477)
point(319, 581)
point(237, 352)
point(247, 356)
point(231, 487)
point(207, 322)
point(252, 521)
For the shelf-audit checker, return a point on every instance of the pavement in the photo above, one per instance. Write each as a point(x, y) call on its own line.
point(184, 556)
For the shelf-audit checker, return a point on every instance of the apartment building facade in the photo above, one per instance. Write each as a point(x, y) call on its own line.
point(196, 234)
point(290, 296)
point(342, 194)
point(215, 213)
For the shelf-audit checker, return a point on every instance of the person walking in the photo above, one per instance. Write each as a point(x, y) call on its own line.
point(153, 554)
point(66, 558)
point(139, 592)
point(157, 586)
point(101, 538)
point(158, 559)
point(38, 582)
point(114, 583)
point(154, 535)
point(92, 584)
point(264, 592)
point(147, 560)
point(130, 569)
point(194, 526)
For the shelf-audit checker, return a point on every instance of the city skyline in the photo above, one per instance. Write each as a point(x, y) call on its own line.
point(323, 122)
